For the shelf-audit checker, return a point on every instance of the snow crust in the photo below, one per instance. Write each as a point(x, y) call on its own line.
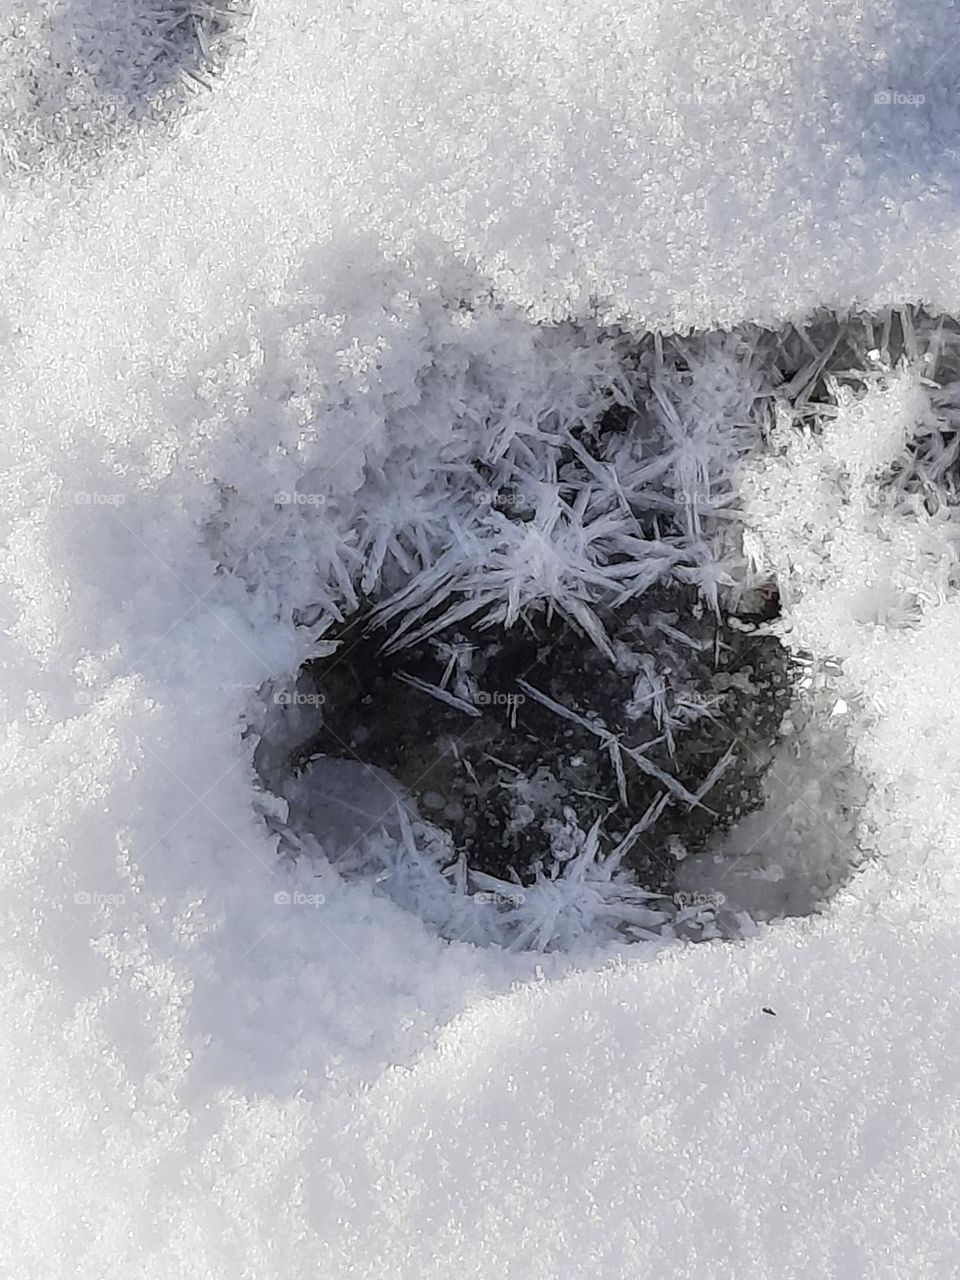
point(215, 1067)
point(677, 164)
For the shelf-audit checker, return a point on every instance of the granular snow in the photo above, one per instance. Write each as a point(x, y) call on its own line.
point(217, 1066)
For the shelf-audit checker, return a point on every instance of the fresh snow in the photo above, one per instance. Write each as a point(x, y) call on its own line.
point(221, 1061)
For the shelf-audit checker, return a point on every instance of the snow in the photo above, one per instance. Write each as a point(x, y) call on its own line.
point(216, 1065)
point(681, 165)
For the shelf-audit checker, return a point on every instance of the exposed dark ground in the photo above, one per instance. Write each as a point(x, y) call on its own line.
point(498, 779)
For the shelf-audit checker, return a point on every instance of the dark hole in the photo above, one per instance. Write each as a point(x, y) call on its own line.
point(499, 769)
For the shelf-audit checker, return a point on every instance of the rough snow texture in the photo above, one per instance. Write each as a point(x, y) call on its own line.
point(677, 164)
point(200, 1081)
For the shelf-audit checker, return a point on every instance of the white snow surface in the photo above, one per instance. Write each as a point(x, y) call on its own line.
point(234, 289)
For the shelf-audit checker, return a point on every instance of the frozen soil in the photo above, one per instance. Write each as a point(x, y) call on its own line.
point(500, 771)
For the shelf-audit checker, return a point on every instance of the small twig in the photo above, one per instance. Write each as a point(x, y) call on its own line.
point(441, 695)
point(654, 810)
point(715, 773)
point(559, 709)
point(678, 789)
point(503, 764)
point(614, 746)
point(616, 759)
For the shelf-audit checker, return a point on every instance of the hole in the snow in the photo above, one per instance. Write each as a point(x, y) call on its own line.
point(498, 736)
point(476, 768)
point(548, 698)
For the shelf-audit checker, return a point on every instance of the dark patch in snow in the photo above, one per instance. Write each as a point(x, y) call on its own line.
point(500, 770)
point(553, 623)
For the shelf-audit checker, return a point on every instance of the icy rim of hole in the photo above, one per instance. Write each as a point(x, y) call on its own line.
point(810, 458)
